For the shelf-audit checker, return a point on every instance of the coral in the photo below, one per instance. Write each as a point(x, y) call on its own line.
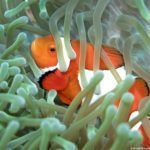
point(29, 117)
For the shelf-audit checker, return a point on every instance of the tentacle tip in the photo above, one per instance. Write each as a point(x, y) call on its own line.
point(14, 124)
point(130, 77)
point(72, 55)
point(1, 27)
point(63, 68)
point(111, 110)
point(43, 14)
point(99, 73)
point(128, 98)
point(123, 129)
point(22, 36)
point(7, 14)
point(25, 19)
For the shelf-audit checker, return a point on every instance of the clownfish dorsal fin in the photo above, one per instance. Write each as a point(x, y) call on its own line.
point(114, 55)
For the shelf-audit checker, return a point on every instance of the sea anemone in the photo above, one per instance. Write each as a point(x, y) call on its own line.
point(32, 118)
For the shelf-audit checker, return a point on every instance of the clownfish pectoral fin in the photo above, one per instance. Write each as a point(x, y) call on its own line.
point(64, 99)
point(54, 80)
point(140, 90)
point(68, 94)
point(114, 55)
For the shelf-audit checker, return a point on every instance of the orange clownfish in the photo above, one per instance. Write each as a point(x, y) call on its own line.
point(66, 83)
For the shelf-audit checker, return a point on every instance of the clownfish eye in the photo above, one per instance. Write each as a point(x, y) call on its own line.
point(52, 49)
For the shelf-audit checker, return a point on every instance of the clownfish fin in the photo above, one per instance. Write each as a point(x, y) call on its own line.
point(114, 55)
point(140, 90)
point(54, 80)
point(64, 99)
point(72, 90)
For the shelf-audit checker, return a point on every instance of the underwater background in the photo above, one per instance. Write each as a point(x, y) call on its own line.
point(30, 117)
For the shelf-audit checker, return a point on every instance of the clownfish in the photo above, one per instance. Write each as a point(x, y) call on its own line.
point(66, 84)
